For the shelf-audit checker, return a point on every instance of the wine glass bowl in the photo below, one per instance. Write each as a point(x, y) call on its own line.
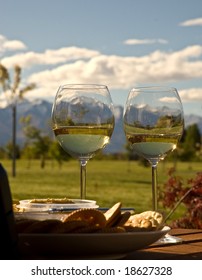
point(83, 122)
point(153, 121)
point(153, 124)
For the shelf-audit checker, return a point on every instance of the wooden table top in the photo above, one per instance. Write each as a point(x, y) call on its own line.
point(189, 249)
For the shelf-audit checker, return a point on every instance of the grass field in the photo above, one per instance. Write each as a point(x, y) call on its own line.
point(108, 181)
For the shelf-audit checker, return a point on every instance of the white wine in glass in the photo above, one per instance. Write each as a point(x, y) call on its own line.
point(153, 125)
point(83, 122)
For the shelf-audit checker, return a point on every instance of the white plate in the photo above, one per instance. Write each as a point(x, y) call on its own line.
point(91, 245)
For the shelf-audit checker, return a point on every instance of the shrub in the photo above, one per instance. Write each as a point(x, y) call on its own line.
point(176, 191)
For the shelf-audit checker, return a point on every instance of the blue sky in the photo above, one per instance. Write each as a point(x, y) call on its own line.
point(120, 43)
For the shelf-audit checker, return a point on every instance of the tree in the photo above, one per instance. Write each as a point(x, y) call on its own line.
point(57, 153)
point(192, 142)
point(40, 143)
point(14, 93)
point(9, 150)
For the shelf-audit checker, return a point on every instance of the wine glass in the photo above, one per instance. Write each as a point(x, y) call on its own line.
point(153, 125)
point(83, 122)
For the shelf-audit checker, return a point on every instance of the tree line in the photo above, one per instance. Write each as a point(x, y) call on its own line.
point(38, 145)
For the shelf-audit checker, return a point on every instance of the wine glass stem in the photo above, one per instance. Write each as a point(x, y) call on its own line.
point(154, 187)
point(83, 179)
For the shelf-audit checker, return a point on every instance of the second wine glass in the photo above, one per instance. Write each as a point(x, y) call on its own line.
point(153, 124)
point(83, 122)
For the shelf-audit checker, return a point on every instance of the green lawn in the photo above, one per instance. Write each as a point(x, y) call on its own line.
point(108, 181)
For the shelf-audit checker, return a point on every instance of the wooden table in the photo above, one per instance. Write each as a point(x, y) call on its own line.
point(189, 249)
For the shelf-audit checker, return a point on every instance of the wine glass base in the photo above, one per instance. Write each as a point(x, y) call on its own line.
point(169, 239)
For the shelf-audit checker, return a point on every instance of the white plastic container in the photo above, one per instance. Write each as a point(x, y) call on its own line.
point(27, 205)
point(45, 211)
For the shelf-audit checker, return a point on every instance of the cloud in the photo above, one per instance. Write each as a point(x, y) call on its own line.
point(10, 45)
point(144, 41)
point(191, 94)
point(49, 57)
point(81, 65)
point(192, 22)
point(120, 72)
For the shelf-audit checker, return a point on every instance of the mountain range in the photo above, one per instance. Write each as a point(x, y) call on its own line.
point(40, 112)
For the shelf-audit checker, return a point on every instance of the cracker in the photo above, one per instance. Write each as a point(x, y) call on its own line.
point(44, 226)
point(147, 220)
point(123, 218)
point(153, 216)
point(88, 229)
point(113, 213)
point(21, 225)
point(114, 221)
point(92, 216)
point(69, 226)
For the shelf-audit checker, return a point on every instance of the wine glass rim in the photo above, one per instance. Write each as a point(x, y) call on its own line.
point(80, 86)
point(155, 87)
